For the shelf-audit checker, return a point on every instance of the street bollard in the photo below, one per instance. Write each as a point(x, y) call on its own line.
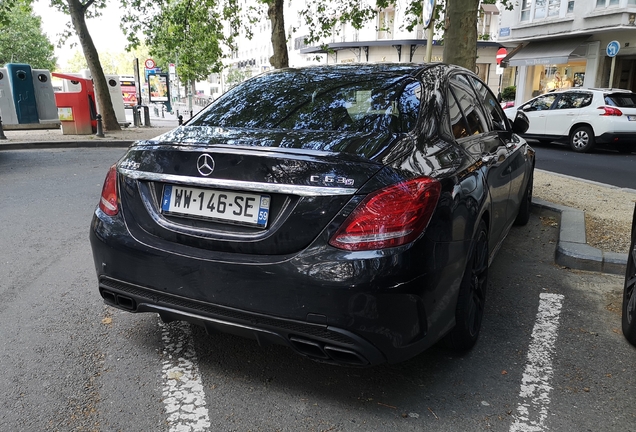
point(135, 116)
point(163, 110)
point(2, 137)
point(190, 113)
point(146, 115)
point(100, 128)
point(180, 120)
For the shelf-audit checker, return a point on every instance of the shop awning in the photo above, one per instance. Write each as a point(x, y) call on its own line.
point(555, 51)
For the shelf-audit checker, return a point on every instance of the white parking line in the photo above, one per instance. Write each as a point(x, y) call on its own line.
point(183, 394)
point(532, 410)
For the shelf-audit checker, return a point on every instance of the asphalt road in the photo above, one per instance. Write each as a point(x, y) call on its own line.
point(603, 166)
point(551, 355)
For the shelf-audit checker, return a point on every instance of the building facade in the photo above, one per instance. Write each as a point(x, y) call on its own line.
point(555, 44)
point(384, 40)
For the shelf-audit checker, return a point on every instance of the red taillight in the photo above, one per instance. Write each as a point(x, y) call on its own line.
point(108, 201)
point(610, 111)
point(390, 217)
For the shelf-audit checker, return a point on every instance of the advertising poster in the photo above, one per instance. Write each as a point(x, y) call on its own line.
point(158, 87)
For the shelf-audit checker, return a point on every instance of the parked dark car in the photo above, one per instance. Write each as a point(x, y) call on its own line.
point(629, 291)
point(349, 212)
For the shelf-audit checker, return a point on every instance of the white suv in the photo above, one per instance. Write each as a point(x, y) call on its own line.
point(582, 117)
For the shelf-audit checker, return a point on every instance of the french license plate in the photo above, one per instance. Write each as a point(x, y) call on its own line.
point(232, 207)
point(631, 117)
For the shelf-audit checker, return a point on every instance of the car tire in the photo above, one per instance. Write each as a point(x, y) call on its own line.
point(472, 295)
point(526, 204)
point(582, 139)
point(629, 295)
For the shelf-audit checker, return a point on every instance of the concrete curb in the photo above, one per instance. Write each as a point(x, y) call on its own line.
point(572, 250)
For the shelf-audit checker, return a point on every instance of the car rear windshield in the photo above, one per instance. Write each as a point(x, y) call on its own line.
point(318, 102)
point(622, 100)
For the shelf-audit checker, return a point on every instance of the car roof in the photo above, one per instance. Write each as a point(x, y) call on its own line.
point(380, 67)
point(612, 90)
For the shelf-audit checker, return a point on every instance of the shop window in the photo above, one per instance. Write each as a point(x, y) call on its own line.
point(482, 71)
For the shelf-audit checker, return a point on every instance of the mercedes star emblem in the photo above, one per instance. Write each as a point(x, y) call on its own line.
point(205, 164)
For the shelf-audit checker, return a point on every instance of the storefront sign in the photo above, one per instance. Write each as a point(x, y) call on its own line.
point(541, 61)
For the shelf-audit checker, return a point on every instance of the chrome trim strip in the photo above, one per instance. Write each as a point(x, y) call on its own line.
point(300, 190)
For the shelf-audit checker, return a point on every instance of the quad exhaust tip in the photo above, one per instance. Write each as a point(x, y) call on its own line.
point(118, 300)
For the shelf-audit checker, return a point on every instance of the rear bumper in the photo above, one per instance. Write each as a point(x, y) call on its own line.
point(617, 138)
point(318, 341)
point(354, 309)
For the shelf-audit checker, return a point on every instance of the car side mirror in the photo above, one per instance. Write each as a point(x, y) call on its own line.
point(521, 123)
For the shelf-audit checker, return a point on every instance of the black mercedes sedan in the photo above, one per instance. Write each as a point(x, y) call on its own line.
point(348, 212)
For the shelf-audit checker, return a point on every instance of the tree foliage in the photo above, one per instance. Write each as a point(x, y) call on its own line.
point(189, 33)
point(113, 63)
point(22, 39)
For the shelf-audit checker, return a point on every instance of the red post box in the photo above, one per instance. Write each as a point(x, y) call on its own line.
point(77, 110)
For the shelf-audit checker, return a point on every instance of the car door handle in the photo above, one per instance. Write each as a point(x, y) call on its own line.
point(499, 156)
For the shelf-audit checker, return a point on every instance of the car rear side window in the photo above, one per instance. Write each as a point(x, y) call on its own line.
point(458, 122)
point(490, 104)
point(470, 108)
point(621, 100)
point(573, 100)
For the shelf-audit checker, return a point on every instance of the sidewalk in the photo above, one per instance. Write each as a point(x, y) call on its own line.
point(53, 138)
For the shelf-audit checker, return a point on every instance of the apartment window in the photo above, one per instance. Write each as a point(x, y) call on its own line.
point(539, 9)
point(525, 10)
point(385, 24)
point(571, 6)
point(553, 7)
point(631, 2)
point(605, 3)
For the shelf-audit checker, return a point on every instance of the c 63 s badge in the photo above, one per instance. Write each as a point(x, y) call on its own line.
point(329, 179)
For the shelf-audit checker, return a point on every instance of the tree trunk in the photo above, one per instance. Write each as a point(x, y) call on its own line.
point(460, 35)
point(275, 11)
point(78, 19)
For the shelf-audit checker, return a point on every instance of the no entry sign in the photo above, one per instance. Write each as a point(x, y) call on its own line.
point(501, 54)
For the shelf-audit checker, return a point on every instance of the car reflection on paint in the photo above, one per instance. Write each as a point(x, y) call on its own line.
point(629, 290)
point(348, 212)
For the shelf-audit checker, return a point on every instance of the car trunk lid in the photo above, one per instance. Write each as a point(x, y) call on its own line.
point(238, 192)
